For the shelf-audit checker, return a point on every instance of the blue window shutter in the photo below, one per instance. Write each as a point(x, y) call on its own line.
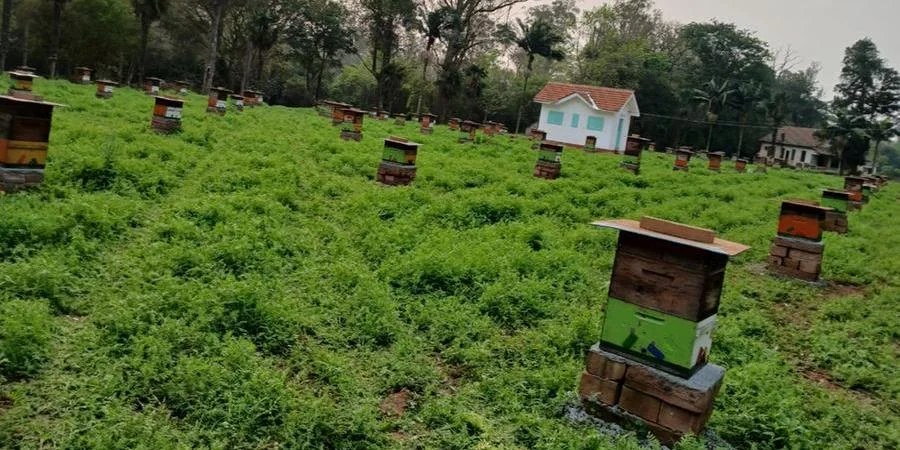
point(555, 117)
point(575, 119)
point(595, 123)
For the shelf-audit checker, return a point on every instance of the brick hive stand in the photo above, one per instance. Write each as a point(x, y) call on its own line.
point(24, 138)
point(549, 163)
point(682, 159)
point(650, 365)
point(398, 162)
point(634, 144)
point(797, 250)
point(836, 219)
point(351, 124)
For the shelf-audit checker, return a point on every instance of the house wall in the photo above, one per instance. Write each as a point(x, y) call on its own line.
point(566, 133)
point(793, 155)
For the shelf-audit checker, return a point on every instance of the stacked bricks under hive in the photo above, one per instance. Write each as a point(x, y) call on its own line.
point(549, 163)
point(400, 119)
point(590, 143)
point(682, 159)
point(634, 145)
point(217, 103)
point(650, 365)
point(797, 250)
point(715, 161)
point(398, 162)
point(836, 219)
point(182, 87)
point(854, 185)
point(537, 136)
point(454, 123)
point(467, 130)
point(82, 75)
point(167, 114)
point(105, 88)
point(24, 138)
point(351, 124)
point(21, 87)
point(152, 85)
point(237, 101)
point(741, 165)
point(426, 123)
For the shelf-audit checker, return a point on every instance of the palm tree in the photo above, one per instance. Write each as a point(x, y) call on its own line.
point(746, 100)
point(881, 131)
point(147, 12)
point(714, 95)
point(535, 38)
point(839, 127)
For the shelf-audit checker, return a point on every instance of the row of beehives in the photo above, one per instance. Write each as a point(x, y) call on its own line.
point(26, 118)
point(650, 366)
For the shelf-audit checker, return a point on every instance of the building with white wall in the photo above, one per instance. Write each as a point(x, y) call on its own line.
point(798, 147)
point(572, 112)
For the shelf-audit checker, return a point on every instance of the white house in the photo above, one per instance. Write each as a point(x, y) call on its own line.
point(572, 112)
point(798, 147)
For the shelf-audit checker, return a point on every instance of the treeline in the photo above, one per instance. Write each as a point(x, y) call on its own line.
point(707, 85)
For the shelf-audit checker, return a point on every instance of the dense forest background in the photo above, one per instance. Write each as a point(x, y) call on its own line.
point(708, 85)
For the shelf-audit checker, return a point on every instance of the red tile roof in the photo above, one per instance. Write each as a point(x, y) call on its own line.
point(797, 137)
point(607, 99)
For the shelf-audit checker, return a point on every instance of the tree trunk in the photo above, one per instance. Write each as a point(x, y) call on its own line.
point(57, 30)
point(524, 92)
point(25, 45)
point(740, 145)
point(875, 158)
point(209, 69)
point(248, 62)
point(4, 32)
point(319, 80)
point(142, 52)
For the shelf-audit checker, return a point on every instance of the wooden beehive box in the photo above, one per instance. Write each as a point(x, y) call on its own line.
point(549, 152)
point(24, 132)
point(715, 160)
point(426, 120)
point(152, 85)
point(400, 151)
point(83, 75)
point(800, 219)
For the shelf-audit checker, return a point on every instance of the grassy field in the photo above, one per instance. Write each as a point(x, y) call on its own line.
point(247, 284)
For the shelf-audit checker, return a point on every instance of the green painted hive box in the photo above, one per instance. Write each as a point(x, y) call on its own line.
point(669, 342)
point(836, 200)
point(550, 152)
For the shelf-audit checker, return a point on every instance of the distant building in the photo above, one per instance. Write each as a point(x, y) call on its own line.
point(572, 112)
point(797, 147)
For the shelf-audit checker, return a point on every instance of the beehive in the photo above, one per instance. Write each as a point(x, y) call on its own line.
point(399, 119)
point(715, 161)
point(682, 159)
point(468, 130)
point(105, 88)
point(454, 123)
point(82, 75)
point(24, 138)
point(182, 87)
point(167, 114)
point(590, 143)
point(21, 86)
point(741, 165)
point(351, 124)
point(334, 109)
point(797, 250)
point(549, 163)
point(152, 85)
point(398, 162)
point(217, 102)
point(426, 123)
point(839, 202)
point(252, 98)
point(634, 145)
point(237, 101)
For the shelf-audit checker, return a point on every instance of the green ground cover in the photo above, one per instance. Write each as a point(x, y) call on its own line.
point(247, 284)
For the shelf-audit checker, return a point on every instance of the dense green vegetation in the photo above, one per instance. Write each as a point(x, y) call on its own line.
point(247, 284)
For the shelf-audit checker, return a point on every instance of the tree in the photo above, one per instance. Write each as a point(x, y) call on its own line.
point(383, 20)
point(747, 98)
point(215, 14)
point(881, 131)
point(715, 96)
point(319, 38)
point(802, 95)
point(4, 32)
point(436, 24)
point(147, 12)
point(776, 113)
point(840, 129)
point(58, 6)
point(537, 38)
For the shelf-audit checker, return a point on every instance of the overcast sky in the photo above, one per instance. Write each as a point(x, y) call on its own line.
point(816, 30)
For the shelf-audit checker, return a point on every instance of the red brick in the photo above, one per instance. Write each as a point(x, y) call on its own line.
point(680, 420)
point(639, 404)
point(597, 389)
point(778, 250)
point(810, 267)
